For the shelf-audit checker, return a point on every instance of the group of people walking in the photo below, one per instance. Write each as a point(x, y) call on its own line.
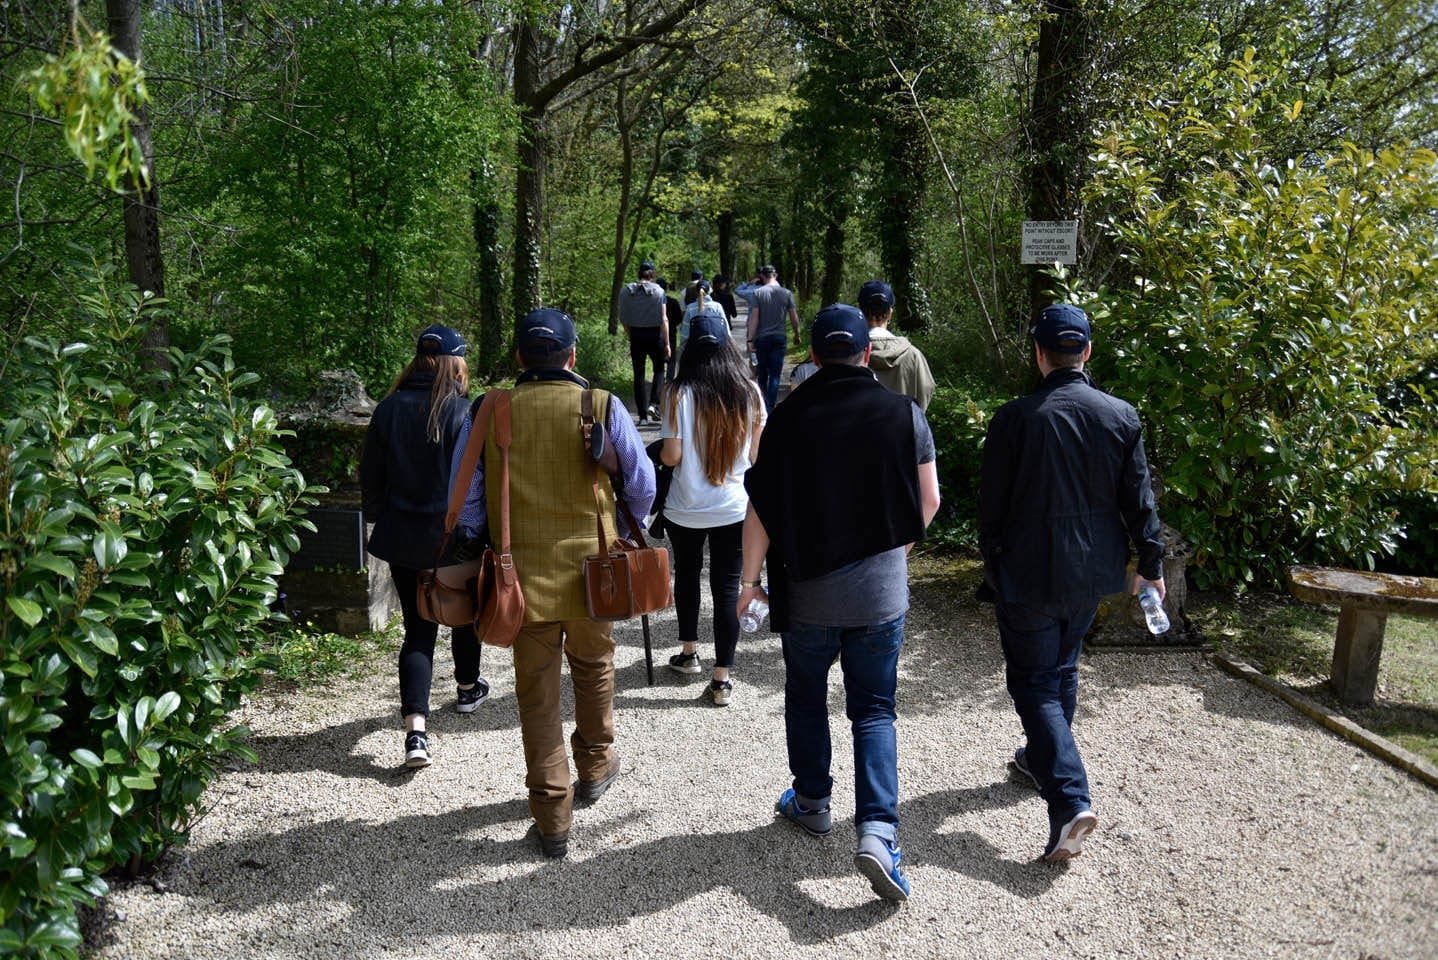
point(826, 492)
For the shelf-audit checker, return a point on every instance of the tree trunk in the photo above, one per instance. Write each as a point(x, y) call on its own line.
point(833, 282)
point(1056, 126)
point(490, 272)
point(142, 201)
point(726, 246)
point(626, 189)
point(529, 179)
point(905, 168)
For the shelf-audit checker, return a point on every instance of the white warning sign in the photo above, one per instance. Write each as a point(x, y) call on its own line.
point(1050, 241)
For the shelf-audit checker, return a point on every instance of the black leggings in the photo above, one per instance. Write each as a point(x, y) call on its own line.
point(646, 344)
point(416, 656)
point(726, 564)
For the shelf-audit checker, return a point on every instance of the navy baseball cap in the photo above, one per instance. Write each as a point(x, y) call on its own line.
point(697, 275)
point(876, 296)
point(646, 267)
point(544, 328)
point(706, 326)
point(839, 332)
point(1063, 328)
point(441, 341)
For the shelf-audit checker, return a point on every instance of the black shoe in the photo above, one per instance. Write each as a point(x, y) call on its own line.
point(416, 749)
point(686, 663)
point(469, 700)
point(553, 845)
point(589, 791)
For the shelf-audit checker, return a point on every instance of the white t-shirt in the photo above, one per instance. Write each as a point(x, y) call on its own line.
point(693, 501)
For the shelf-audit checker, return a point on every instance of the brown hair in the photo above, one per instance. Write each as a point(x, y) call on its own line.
point(723, 395)
point(1061, 360)
point(451, 376)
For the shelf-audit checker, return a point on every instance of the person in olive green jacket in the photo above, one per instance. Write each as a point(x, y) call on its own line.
point(897, 363)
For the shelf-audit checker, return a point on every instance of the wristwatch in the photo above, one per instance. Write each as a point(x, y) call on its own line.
point(751, 583)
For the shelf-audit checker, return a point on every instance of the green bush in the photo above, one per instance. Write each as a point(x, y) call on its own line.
point(1260, 313)
point(146, 516)
point(959, 418)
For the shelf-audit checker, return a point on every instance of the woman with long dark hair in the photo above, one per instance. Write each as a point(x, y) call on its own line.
point(713, 417)
point(404, 473)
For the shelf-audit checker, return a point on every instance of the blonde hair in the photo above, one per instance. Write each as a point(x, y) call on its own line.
point(451, 377)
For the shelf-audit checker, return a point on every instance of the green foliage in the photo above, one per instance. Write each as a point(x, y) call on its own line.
point(304, 654)
point(146, 515)
point(959, 418)
point(1263, 314)
point(340, 186)
point(94, 90)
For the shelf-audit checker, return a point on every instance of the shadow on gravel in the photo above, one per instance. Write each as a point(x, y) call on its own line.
point(438, 862)
point(334, 750)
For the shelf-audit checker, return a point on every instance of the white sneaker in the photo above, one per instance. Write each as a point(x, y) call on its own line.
point(1071, 837)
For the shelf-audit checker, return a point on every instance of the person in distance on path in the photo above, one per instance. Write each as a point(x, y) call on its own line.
point(1064, 488)
point(898, 364)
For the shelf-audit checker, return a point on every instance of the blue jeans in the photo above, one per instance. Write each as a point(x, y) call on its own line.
point(1041, 654)
point(770, 354)
point(869, 659)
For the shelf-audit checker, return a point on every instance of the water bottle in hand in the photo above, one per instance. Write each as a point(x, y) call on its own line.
point(1153, 611)
point(753, 616)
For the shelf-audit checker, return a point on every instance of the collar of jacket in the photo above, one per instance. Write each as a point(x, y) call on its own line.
point(829, 372)
point(1066, 375)
point(423, 380)
point(550, 374)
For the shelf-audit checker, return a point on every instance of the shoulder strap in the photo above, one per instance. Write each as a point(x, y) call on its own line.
point(501, 439)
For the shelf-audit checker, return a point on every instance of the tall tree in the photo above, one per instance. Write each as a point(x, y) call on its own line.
point(143, 253)
point(591, 43)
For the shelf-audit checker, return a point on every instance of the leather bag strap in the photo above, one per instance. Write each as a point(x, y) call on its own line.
point(501, 438)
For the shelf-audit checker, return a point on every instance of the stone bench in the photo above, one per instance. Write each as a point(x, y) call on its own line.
point(1365, 600)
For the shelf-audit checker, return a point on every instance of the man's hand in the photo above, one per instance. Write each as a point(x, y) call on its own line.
point(749, 593)
point(1139, 581)
point(668, 351)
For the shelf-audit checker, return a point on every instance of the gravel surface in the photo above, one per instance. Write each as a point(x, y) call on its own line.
point(1229, 826)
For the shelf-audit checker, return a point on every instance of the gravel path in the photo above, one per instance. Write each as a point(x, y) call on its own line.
point(1229, 826)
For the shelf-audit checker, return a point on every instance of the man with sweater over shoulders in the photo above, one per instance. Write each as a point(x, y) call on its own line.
point(844, 484)
point(1064, 488)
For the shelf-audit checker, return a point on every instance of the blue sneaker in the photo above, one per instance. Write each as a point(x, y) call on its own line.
point(816, 823)
point(878, 860)
point(1066, 842)
point(1020, 765)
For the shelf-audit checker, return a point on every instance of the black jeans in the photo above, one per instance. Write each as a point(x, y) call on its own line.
point(646, 344)
point(726, 564)
point(416, 655)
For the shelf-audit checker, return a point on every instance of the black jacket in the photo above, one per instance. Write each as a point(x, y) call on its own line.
point(405, 477)
point(835, 480)
point(1065, 487)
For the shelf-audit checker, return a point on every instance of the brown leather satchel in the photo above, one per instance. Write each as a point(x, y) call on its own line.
point(629, 578)
point(488, 594)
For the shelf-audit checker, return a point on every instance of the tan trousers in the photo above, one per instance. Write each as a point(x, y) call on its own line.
point(589, 647)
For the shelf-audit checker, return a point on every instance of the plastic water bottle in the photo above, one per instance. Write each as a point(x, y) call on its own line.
point(1153, 611)
point(753, 615)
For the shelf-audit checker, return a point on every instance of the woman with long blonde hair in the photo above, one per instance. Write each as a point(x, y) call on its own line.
point(404, 474)
point(713, 418)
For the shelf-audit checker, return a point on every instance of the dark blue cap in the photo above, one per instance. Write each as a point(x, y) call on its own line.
point(1063, 328)
point(706, 326)
point(839, 332)
point(440, 341)
point(646, 267)
point(545, 328)
point(876, 296)
point(697, 275)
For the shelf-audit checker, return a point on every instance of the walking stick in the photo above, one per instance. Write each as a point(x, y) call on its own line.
point(648, 649)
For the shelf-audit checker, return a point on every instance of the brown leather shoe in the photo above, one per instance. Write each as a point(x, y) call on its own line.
point(588, 791)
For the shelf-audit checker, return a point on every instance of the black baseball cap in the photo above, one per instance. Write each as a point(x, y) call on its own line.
point(441, 341)
point(545, 328)
point(839, 332)
point(1062, 328)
